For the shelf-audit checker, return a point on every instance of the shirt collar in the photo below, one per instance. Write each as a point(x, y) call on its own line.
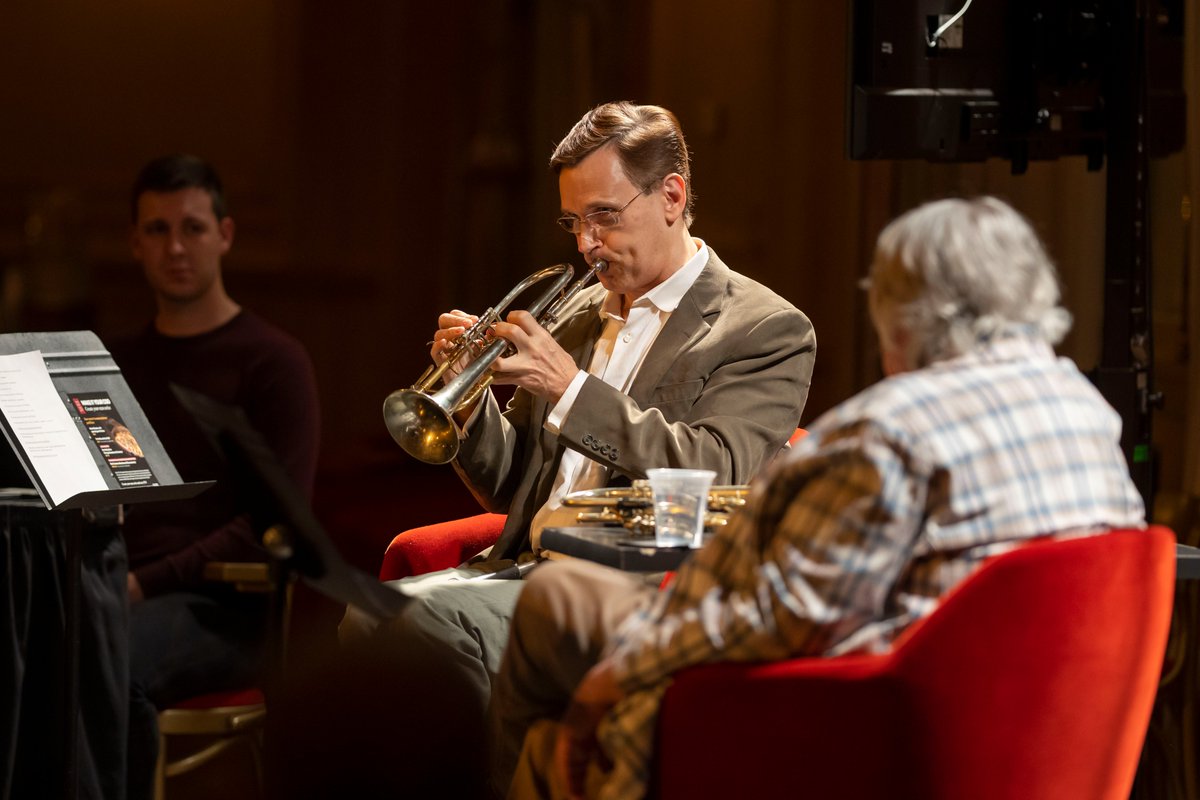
point(667, 295)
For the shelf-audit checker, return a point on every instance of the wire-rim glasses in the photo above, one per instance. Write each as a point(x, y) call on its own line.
point(597, 220)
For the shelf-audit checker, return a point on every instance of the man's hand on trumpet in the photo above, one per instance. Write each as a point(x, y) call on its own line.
point(451, 325)
point(540, 366)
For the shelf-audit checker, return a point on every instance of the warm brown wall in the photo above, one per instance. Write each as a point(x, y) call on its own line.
point(386, 160)
point(762, 96)
point(91, 90)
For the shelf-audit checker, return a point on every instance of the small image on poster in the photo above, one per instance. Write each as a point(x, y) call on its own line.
point(116, 442)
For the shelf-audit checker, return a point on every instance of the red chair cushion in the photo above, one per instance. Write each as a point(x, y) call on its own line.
point(233, 697)
point(439, 546)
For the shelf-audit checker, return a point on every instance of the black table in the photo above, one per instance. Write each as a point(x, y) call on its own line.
point(1187, 563)
point(614, 547)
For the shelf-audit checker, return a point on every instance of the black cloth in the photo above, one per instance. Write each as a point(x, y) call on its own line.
point(190, 637)
point(33, 678)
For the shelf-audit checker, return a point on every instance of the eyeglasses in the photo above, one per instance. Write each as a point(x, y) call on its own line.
point(595, 221)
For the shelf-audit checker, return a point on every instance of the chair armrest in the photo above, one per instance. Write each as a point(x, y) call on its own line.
point(439, 546)
point(247, 576)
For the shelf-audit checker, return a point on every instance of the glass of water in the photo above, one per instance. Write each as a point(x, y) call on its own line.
point(680, 502)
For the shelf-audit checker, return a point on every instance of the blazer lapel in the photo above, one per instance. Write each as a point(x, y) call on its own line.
point(577, 338)
point(688, 322)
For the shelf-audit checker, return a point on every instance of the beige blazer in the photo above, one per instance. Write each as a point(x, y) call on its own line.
point(722, 388)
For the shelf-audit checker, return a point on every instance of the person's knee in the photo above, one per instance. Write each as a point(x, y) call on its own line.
point(358, 627)
point(425, 634)
point(562, 598)
point(547, 588)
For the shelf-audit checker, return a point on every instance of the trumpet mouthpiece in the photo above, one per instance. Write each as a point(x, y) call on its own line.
point(600, 265)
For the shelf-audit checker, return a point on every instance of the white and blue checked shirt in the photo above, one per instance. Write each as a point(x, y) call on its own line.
point(894, 497)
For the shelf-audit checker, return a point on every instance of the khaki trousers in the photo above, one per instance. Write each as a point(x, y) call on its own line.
point(564, 617)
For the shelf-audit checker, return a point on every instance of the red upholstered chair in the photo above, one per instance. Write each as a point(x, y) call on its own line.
point(1033, 679)
point(223, 720)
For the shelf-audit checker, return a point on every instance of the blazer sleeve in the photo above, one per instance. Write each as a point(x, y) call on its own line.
point(490, 459)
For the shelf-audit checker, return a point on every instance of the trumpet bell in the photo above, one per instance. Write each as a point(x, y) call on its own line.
point(422, 427)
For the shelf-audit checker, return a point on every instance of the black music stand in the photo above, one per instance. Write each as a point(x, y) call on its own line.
point(273, 499)
point(90, 386)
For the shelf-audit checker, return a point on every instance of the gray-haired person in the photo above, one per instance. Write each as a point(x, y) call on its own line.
point(978, 439)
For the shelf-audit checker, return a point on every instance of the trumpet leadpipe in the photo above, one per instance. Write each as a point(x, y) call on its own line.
point(550, 315)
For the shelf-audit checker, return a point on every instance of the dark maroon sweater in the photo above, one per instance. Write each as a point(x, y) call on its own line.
point(248, 363)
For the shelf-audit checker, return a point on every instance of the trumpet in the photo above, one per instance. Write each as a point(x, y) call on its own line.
point(420, 419)
point(632, 507)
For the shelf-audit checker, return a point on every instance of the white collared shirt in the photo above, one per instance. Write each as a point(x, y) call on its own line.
point(616, 359)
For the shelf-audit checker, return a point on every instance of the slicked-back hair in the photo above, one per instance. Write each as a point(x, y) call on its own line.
point(953, 273)
point(179, 171)
point(648, 140)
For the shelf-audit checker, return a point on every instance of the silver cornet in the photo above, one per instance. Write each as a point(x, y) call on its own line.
point(422, 421)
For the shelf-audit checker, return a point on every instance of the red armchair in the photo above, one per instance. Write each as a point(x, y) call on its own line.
point(1034, 679)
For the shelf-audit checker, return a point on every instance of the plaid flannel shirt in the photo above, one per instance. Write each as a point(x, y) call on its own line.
point(894, 497)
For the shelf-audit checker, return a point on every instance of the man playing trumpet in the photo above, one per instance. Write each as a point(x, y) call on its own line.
point(673, 360)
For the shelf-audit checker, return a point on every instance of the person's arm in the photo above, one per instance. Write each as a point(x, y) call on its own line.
point(490, 459)
point(835, 527)
point(282, 404)
point(501, 448)
point(233, 541)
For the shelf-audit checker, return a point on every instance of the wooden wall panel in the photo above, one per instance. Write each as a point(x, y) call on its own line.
point(387, 160)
